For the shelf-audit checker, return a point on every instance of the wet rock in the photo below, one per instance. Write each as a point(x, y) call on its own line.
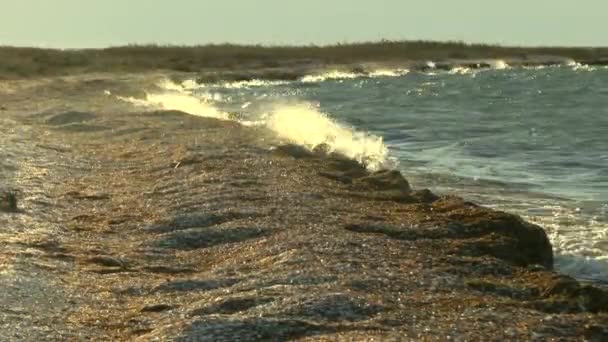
point(334, 308)
point(341, 163)
point(108, 261)
point(292, 150)
point(337, 176)
point(231, 306)
point(576, 296)
point(501, 289)
point(168, 270)
point(425, 196)
point(209, 237)
point(596, 333)
point(386, 180)
point(251, 329)
point(195, 285)
point(8, 201)
point(322, 149)
point(70, 118)
point(200, 220)
point(499, 234)
point(157, 308)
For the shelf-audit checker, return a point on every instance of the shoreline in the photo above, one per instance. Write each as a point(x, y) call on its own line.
point(170, 225)
point(280, 62)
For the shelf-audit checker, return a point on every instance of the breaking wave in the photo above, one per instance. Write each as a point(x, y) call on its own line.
point(341, 75)
point(305, 125)
point(498, 64)
point(301, 124)
point(576, 66)
point(389, 73)
point(460, 71)
point(578, 239)
point(332, 75)
point(176, 101)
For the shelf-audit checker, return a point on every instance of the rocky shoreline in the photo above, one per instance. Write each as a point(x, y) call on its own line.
point(161, 225)
point(294, 71)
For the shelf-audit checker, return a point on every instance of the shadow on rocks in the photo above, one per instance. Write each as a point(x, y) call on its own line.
point(196, 285)
point(196, 238)
point(251, 329)
point(8, 201)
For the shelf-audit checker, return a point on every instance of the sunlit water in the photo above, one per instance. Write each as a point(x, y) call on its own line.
point(529, 141)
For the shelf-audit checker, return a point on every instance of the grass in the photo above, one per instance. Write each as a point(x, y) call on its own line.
point(17, 62)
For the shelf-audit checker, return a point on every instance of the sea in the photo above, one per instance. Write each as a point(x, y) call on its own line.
point(527, 140)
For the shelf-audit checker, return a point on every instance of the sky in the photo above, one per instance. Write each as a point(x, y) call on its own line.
point(101, 23)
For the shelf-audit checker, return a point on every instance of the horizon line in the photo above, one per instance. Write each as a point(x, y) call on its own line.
point(309, 45)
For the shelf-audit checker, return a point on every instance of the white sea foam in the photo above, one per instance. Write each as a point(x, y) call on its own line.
point(176, 101)
point(582, 67)
point(178, 96)
point(251, 84)
point(459, 70)
point(535, 67)
point(307, 126)
point(577, 66)
point(302, 124)
point(389, 72)
point(331, 75)
point(498, 64)
point(169, 85)
point(579, 241)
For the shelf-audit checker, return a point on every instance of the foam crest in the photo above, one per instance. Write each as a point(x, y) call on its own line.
point(578, 239)
point(177, 101)
point(459, 70)
point(498, 64)
point(305, 125)
point(255, 83)
point(332, 75)
point(389, 73)
point(576, 66)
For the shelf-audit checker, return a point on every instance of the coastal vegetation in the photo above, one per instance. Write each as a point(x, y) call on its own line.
point(25, 62)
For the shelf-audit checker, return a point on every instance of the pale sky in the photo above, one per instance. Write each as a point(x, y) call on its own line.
point(100, 23)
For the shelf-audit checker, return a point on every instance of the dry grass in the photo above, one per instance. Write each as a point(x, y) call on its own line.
point(29, 62)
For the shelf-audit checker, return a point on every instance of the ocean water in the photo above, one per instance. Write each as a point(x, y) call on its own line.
point(532, 141)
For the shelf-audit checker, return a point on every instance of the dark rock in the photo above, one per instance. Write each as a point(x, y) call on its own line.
point(501, 290)
point(209, 237)
point(596, 62)
point(292, 150)
point(596, 333)
point(578, 296)
point(322, 149)
point(252, 329)
point(8, 201)
point(231, 306)
point(70, 118)
point(195, 285)
point(335, 308)
point(168, 270)
point(157, 308)
point(425, 196)
point(338, 177)
point(107, 261)
point(386, 180)
point(339, 162)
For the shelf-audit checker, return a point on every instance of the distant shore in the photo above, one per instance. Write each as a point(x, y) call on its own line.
point(240, 62)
